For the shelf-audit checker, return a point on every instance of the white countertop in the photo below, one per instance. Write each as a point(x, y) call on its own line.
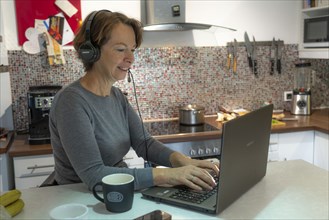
point(290, 190)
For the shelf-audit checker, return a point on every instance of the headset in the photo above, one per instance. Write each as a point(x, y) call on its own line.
point(90, 52)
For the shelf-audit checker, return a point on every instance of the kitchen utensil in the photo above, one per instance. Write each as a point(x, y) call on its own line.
point(224, 110)
point(301, 96)
point(249, 48)
point(278, 56)
point(235, 55)
point(288, 119)
point(191, 114)
point(229, 55)
point(254, 57)
point(272, 56)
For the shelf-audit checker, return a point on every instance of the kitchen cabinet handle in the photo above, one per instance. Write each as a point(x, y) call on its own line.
point(39, 167)
point(127, 158)
point(36, 174)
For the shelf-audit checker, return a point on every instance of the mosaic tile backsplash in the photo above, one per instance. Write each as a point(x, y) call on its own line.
point(167, 78)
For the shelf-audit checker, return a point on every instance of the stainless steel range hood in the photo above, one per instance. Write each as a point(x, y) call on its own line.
point(169, 15)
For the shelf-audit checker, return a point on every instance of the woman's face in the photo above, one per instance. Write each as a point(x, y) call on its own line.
point(117, 55)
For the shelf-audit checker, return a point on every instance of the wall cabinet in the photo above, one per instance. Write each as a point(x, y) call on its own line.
point(312, 53)
point(321, 150)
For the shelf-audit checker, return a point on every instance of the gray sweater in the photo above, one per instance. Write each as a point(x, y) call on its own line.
point(91, 134)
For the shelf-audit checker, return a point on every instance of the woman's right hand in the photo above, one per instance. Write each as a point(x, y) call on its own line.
point(191, 176)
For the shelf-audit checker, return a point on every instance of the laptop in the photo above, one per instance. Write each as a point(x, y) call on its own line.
point(243, 163)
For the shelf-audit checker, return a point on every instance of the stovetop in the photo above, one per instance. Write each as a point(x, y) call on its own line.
point(174, 127)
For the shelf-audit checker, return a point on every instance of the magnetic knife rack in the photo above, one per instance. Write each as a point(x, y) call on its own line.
point(258, 43)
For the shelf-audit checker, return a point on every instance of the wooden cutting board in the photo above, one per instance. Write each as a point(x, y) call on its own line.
point(277, 123)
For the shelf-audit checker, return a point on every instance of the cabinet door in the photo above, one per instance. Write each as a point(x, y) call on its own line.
point(296, 145)
point(31, 171)
point(1, 175)
point(321, 152)
point(6, 173)
point(273, 151)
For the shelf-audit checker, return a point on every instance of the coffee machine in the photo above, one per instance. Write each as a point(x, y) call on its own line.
point(301, 97)
point(40, 99)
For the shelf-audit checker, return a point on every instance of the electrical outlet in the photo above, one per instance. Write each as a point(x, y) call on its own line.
point(287, 96)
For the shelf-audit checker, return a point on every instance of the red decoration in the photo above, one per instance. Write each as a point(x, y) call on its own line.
point(28, 10)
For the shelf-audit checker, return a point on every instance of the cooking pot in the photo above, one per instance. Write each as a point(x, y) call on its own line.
point(191, 114)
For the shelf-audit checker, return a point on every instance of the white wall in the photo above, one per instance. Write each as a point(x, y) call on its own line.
point(263, 19)
point(6, 115)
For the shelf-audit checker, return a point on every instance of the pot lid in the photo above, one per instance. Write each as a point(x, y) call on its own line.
point(190, 107)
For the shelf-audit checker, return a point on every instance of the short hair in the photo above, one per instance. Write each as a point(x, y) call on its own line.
point(101, 29)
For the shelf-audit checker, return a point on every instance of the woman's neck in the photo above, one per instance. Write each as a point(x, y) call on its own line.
point(97, 84)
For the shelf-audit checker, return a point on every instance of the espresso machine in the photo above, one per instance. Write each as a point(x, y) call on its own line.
point(301, 96)
point(40, 99)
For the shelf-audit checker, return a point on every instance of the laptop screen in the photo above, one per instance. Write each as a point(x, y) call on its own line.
point(243, 163)
point(244, 152)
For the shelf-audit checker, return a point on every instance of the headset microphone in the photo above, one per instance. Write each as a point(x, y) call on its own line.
point(129, 76)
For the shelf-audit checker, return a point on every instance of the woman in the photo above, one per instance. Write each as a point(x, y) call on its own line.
point(93, 126)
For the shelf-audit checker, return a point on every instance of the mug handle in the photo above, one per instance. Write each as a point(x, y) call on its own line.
point(96, 194)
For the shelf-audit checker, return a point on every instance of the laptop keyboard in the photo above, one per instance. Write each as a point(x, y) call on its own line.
point(190, 195)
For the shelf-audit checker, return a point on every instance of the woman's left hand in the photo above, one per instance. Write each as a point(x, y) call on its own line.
point(178, 160)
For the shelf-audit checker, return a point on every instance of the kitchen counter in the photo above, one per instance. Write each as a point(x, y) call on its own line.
point(319, 121)
point(290, 190)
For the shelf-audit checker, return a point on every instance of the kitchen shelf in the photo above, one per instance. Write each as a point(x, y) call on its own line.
point(312, 53)
point(316, 10)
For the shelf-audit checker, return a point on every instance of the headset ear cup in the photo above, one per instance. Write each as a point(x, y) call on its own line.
point(88, 52)
point(97, 54)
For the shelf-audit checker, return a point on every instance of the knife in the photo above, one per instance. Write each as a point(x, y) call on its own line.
point(249, 48)
point(229, 55)
point(254, 58)
point(279, 56)
point(235, 55)
point(272, 56)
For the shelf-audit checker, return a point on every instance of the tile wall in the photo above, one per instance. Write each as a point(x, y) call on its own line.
point(167, 78)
